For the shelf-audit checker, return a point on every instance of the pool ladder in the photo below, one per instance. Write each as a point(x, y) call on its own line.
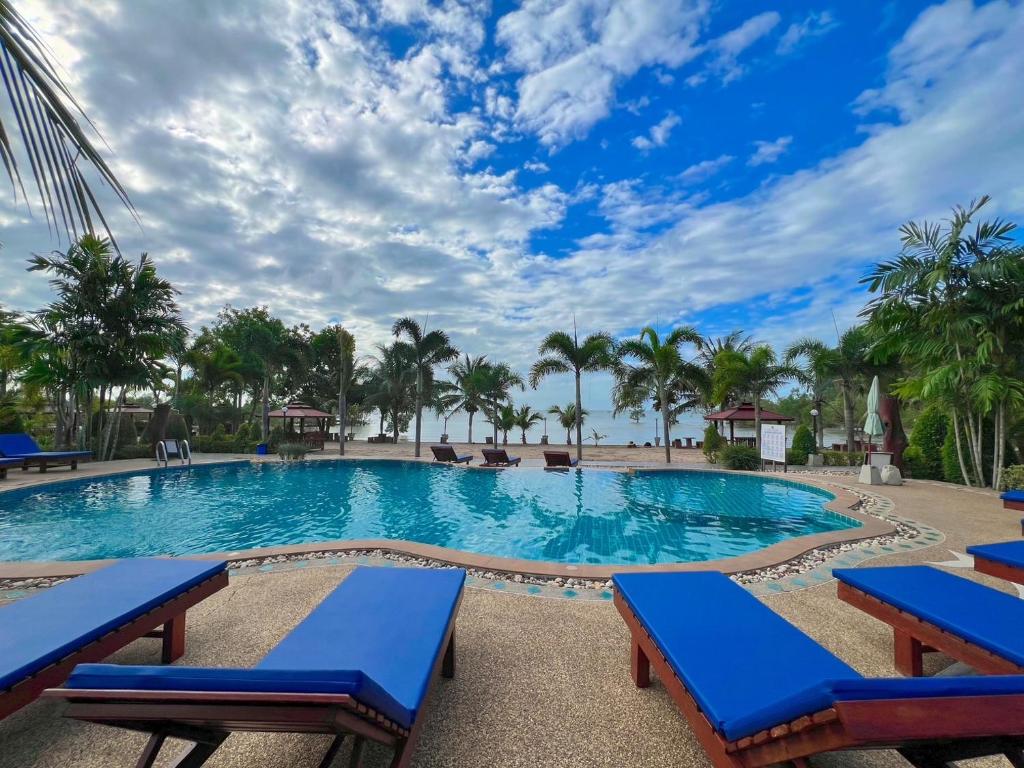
point(173, 449)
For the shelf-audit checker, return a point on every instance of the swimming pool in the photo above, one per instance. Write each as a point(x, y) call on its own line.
point(590, 516)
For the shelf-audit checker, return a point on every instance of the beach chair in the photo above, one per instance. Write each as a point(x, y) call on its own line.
point(44, 636)
point(362, 663)
point(498, 457)
point(758, 691)
point(6, 464)
point(558, 460)
point(22, 446)
point(446, 454)
point(1004, 560)
point(1013, 500)
point(932, 610)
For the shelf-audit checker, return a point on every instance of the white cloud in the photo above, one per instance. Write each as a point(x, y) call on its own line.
point(659, 133)
point(813, 25)
point(705, 169)
point(766, 152)
point(536, 166)
point(727, 49)
point(575, 53)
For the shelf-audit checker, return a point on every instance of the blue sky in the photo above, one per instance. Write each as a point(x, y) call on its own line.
point(497, 167)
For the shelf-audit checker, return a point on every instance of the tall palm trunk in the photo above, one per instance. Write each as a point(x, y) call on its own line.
point(469, 437)
point(757, 422)
point(342, 420)
point(665, 422)
point(265, 421)
point(579, 419)
point(494, 420)
point(848, 416)
point(820, 436)
point(419, 409)
point(394, 424)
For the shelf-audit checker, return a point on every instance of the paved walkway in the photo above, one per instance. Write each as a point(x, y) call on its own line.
point(540, 682)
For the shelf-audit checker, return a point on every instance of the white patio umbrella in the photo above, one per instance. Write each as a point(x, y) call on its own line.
point(873, 423)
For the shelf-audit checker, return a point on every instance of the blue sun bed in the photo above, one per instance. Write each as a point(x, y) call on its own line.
point(363, 662)
point(1005, 559)
point(758, 691)
point(933, 609)
point(21, 446)
point(6, 464)
point(44, 636)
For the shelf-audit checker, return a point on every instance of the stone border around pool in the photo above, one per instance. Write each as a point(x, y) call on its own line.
point(844, 504)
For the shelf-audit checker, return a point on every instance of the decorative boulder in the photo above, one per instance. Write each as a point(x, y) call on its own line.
point(815, 460)
point(869, 475)
point(891, 475)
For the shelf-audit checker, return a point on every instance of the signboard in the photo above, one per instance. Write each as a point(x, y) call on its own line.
point(773, 442)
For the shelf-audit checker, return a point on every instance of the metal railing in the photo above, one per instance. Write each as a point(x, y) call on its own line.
point(182, 452)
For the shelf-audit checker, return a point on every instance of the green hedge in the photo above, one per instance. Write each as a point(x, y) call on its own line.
point(739, 457)
point(713, 443)
point(1013, 478)
point(803, 443)
point(923, 456)
point(842, 458)
point(796, 458)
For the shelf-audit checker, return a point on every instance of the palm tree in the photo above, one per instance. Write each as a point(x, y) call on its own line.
point(50, 135)
point(816, 373)
point(467, 375)
point(504, 421)
point(495, 384)
point(215, 366)
point(658, 364)
point(393, 383)
point(565, 354)
point(757, 374)
point(526, 417)
point(429, 351)
point(349, 374)
point(567, 418)
point(708, 350)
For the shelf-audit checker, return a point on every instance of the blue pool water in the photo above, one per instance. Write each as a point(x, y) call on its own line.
point(589, 516)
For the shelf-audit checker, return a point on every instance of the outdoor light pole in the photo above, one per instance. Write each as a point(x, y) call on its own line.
point(814, 415)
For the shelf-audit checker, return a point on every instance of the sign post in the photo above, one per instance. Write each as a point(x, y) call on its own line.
point(773, 445)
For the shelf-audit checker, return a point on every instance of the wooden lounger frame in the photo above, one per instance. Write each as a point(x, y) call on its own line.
point(165, 621)
point(999, 570)
point(512, 461)
point(44, 462)
point(929, 733)
point(913, 637)
point(207, 718)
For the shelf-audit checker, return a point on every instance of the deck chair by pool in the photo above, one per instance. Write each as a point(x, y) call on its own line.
point(1004, 560)
point(446, 454)
point(362, 663)
point(6, 464)
point(43, 637)
point(498, 457)
point(932, 610)
point(1013, 500)
point(22, 446)
point(758, 691)
point(558, 459)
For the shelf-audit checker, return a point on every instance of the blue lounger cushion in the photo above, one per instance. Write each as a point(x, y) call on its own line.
point(6, 462)
point(40, 630)
point(1006, 552)
point(19, 444)
point(1012, 496)
point(986, 617)
point(748, 668)
point(376, 637)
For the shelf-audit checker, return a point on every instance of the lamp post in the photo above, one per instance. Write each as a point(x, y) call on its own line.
point(544, 439)
point(814, 415)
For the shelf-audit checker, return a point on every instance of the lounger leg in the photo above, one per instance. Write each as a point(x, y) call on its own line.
point(150, 751)
point(200, 752)
point(174, 639)
point(924, 758)
point(908, 654)
point(74, 463)
point(448, 665)
point(332, 751)
point(356, 758)
point(639, 665)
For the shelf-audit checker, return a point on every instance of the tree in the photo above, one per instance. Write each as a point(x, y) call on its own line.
point(657, 363)
point(349, 374)
point(525, 418)
point(215, 365)
point(393, 384)
point(49, 133)
point(504, 421)
point(756, 374)
point(429, 351)
point(12, 357)
point(563, 353)
point(568, 418)
point(467, 387)
point(495, 384)
point(597, 437)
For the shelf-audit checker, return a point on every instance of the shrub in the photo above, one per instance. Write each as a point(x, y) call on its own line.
point(739, 457)
point(1013, 478)
point(841, 458)
point(796, 458)
point(132, 452)
point(244, 433)
point(177, 428)
point(292, 451)
point(10, 419)
point(927, 439)
point(713, 443)
point(950, 464)
point(803, 443)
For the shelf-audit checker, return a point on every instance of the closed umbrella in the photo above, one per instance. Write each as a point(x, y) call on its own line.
point(873, 422)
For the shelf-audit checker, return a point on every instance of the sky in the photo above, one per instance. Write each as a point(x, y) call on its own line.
point(497, 168)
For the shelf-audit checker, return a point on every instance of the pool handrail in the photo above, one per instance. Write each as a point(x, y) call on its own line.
point(179, 450)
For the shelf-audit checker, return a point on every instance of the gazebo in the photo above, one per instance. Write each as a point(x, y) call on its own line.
point(304, 412)
point(745, 412)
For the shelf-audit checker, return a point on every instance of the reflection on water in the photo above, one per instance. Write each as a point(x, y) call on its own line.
point(579, 516)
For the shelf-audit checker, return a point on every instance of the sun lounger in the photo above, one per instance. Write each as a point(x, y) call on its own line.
point(22, 446)
point(362, 663)
point(558, 459)
point(446, 454)
point(498, 457)
point(6, 464)
point(1004, 560)
point(758, 691)
point(1013, 500)
point(43, 637)
point(932, 610)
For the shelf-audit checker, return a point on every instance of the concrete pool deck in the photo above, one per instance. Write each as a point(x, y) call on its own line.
point(539, 682)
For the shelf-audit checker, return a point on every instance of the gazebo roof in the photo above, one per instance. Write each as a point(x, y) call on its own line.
point(299, 411)
point(745, 412)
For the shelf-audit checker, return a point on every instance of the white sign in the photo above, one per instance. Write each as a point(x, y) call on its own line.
point(773, 442)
